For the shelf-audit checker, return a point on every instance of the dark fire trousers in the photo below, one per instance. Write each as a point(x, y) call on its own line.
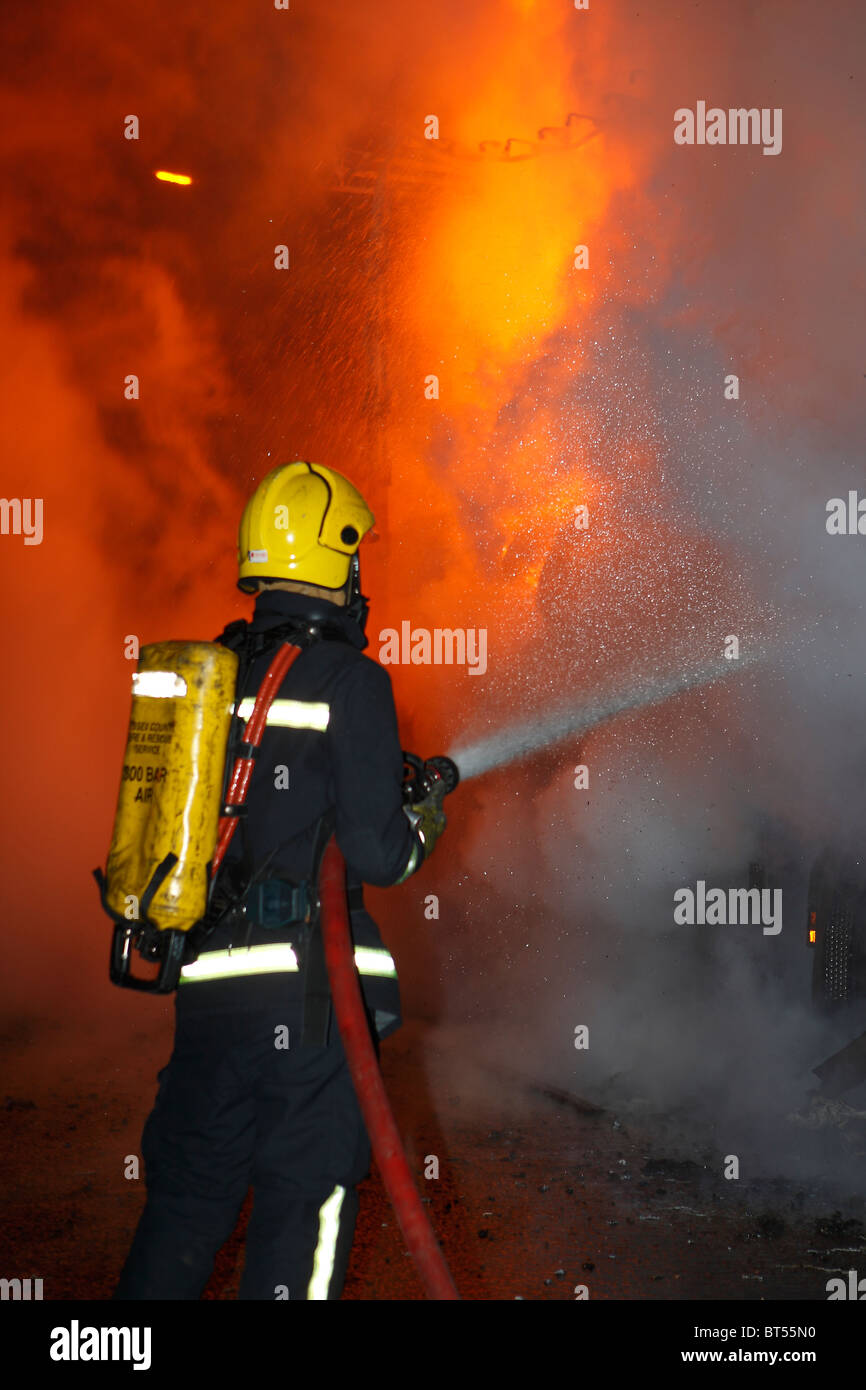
point(233, 1110)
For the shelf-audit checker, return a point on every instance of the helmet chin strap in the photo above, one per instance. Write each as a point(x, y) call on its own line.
point(356, 604)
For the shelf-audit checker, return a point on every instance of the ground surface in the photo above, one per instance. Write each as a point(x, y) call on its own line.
point(538, 1193)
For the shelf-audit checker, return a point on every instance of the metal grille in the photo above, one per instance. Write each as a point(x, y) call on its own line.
point(835, 957)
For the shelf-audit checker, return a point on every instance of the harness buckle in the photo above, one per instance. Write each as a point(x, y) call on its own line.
point(276, 902)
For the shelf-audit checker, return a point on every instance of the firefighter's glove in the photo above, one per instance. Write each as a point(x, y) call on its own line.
point(427, 818)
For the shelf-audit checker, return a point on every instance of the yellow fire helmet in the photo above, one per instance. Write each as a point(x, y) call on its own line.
point(303, 522)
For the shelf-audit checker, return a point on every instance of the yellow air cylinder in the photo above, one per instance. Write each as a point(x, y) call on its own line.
point(172, 781)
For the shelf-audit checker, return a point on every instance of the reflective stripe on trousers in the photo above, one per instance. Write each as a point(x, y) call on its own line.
point(326, 1247)
point(260, 960)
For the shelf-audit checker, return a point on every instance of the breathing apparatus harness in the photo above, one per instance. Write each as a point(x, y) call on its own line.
point(281, 902)
point(423, 782)
point(297, 634)
point(293, 637)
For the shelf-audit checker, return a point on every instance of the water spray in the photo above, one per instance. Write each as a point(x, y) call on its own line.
point(507, 745)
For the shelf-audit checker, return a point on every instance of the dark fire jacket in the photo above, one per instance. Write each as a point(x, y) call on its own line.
point(331, 741)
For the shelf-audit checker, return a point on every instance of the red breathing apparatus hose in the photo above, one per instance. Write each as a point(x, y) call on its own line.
point(381, 1127)
point(243, 768)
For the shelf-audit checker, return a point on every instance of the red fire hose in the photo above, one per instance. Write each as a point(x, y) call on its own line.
point(354, 1030)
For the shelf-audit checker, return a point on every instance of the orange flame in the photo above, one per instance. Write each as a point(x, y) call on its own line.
point(489, 283)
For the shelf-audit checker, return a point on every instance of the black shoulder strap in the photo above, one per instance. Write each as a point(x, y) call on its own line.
point(239, 637)
point(233, 634)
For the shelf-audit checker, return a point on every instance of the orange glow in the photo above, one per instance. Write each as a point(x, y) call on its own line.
point(494, 301)
point(509, 232)
point(812, 936)
point(165, 177)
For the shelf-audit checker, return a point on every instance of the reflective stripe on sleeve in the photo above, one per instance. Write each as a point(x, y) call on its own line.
point(374, 960)
point(291, 714)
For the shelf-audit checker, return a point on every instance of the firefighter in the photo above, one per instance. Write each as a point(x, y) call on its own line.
point(257, 1091)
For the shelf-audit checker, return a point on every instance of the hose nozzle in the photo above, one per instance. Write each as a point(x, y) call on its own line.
point(421, 776)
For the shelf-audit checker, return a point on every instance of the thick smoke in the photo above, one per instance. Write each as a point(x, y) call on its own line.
point(557, 388)
point(712, 522)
